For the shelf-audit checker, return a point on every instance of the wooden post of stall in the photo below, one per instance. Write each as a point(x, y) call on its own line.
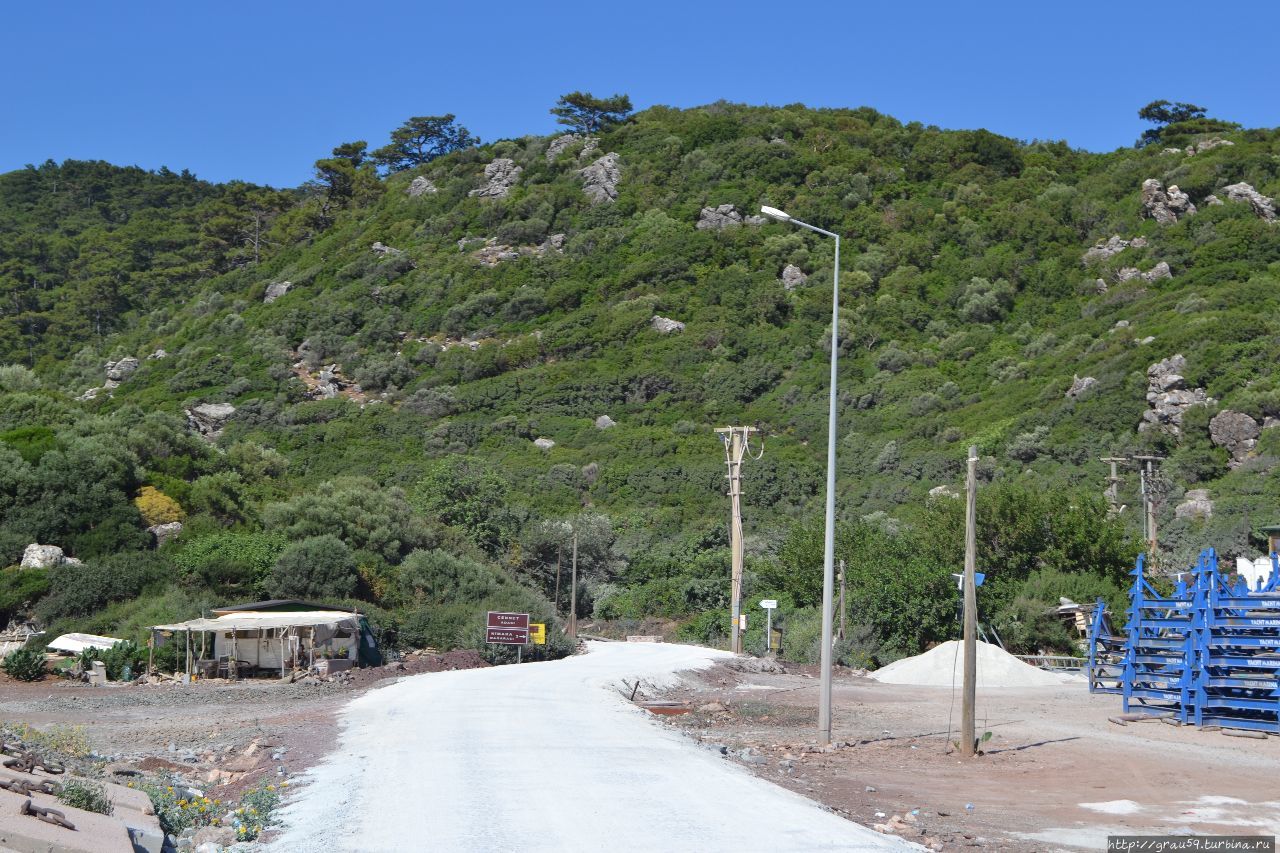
point(968, 737)
point(151, 652)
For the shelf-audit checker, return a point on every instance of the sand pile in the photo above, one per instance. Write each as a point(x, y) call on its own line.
point(937, 667)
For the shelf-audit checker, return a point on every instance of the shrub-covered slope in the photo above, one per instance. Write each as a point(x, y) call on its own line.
point(390, 399)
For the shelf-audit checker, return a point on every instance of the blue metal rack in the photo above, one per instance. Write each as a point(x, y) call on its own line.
point(1208, 654)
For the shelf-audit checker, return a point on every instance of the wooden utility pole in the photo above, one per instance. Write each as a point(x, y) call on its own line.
point(968, 736)
point(842, 615)
point(735, 445)
point(559, 550)
point(573, 590)
point(1149, 501)
point(1113, 482)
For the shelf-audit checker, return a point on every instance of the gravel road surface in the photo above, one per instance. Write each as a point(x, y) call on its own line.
point(544, 756)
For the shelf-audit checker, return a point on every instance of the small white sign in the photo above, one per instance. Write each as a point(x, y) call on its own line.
point(769, 604)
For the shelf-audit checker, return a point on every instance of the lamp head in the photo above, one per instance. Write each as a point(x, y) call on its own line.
point(774, 213)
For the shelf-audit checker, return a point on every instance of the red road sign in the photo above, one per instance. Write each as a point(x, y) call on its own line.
point(508, 620)
point(507, 636)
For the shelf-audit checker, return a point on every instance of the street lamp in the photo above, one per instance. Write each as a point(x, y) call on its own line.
point(829, 547)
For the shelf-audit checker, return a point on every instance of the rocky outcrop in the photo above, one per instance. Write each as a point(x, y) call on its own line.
point(493, 253)
point(119, 371)
point(1169, 397)
point(276, 290)
point(724, 216)
point(421, 186)
point(165, 532)
point(1114, 245)
point(158, 354)
point(543, 443)
point(945, 492)
point(1165, 206)
point(1207, 145)
point(379, 248)
point(42, 557)
point(1195, 504)
point(1235, 431)
point(605, 422)
point(1212, 200)
point(793, 277)
point(663, 325)
point(560, 144)
point(1159, 271)
point(1079, 385)
point(600, 179)
point(500, 176)
point(1262, 205)
point(208, 419)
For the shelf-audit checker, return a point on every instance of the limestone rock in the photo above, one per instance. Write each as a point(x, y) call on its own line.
point(600, 179)
point(543, 443)
point(663, 325)
point(221, 836)
point(1212, 200)
point(165, 532)
point(1207, 145)
point(158, 354)
point(1235, 431)
point(945, 491)
point(1169, 397)
point(1262, 205)
point(1196, 504)
point(421, 186)
point(1159, 271)
point(559, 144)
point(1079, 385)
point(208, 419)
point(589, 148)
point(724, 216)
point(42, 556)
point(501, 175)
point(604, 422)
point(119, 371)
point(276, 290)
point(1172, 151)
point(1165, 206)
point(1114, 245)
point(792, 277)
point(379, 248)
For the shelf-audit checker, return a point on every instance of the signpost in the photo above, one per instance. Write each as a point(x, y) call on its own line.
point(538, 633)
point(769, 606)
point(507, 629)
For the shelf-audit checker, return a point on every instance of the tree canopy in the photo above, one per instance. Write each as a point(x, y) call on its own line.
point(585, 113)
point(422, 139)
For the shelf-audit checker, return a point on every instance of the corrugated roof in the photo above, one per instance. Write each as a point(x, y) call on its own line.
point(253, 621)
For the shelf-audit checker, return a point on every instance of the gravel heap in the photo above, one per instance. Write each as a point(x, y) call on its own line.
point(938, 666)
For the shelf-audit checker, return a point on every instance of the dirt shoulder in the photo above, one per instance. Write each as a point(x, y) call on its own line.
point(1056, 775)
point(217, 735)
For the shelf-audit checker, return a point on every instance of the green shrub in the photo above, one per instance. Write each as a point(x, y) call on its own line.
point(316, 568)
point(87, 796)
point(24, 665)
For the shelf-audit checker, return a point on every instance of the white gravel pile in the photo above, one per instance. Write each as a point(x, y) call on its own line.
point(937, 668)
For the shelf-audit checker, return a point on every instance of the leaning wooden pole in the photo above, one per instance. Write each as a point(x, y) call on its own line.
point(968, 736)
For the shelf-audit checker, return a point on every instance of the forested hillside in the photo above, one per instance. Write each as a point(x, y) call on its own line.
point(406, 383)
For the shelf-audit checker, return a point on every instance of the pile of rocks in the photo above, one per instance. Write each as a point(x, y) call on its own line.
point(1169, 397)
point(1165, 206)
point(724, 216)
point(1114, 245)
point(500, 176)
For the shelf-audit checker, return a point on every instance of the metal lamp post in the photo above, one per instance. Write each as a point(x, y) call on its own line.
point(829, 548)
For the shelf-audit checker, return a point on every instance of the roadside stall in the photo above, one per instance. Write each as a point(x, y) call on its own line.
point(247, 643)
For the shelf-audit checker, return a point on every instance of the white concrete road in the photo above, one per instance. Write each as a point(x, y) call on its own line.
point(544, 756)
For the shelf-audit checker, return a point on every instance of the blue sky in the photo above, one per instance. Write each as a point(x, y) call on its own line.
point(258, 91)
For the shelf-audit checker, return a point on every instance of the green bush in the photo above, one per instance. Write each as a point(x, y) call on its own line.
point(24, 665)
point(86, 796)
point(316, 568)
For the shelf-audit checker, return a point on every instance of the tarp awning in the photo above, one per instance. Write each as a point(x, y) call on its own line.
point(76, 643)
point(252, 621)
